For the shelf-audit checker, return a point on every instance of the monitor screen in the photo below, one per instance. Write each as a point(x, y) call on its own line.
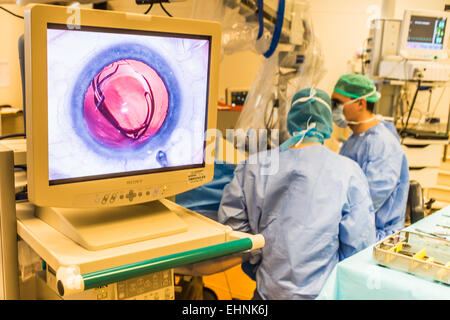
point(426, 32)
point(124, 102)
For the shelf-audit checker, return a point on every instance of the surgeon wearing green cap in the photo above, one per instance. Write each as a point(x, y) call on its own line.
point(313, 212)
point(375, 147)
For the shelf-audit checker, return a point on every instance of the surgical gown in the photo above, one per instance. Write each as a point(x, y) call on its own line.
point(381, 157)
point(313, 212)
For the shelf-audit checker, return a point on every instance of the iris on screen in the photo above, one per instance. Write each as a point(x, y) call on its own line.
point(122, 102)
point(126, 104)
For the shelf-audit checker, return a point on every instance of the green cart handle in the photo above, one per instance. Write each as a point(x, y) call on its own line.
point(70, 281)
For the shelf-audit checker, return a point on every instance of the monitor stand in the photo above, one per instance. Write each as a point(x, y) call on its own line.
point(102, 228)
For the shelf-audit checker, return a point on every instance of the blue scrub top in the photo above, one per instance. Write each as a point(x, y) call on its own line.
point(392, 128)
point(313, 211)
point(382, 159)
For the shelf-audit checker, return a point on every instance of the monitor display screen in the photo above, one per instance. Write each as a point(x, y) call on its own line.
point(426, 32)
point(124, 102)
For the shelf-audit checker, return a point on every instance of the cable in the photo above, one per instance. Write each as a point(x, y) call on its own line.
point(269, 122)
point(362, 56)
point(411, 108)
point(149, 8)
point(413, 102)
point(13, 136)
point(277, 31)
point(430, 89)
point(405, 101)
point(10, 12)
point(419, 116)
point(398, 108)
point(437, 103)
point(162, 7)
point(260, 11)
point(404, 96)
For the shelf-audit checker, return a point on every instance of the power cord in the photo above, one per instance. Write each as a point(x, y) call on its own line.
point(164, 9)
point(410, 110)
point(438, 101)
point(149, 8)
point(269, 123)
point(12, 13)
point(363, 60)
point(152, 2)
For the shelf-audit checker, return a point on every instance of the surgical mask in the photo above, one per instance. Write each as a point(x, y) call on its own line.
point(338, 113)
point(338, 116)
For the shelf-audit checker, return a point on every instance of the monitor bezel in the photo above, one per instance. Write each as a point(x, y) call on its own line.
point(81, 193)
point(422, 54)
point(54, 26)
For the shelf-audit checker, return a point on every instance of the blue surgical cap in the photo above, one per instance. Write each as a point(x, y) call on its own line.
point(309, 106)
point(313, 111)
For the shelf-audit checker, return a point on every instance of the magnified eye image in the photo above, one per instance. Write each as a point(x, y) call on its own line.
point(122, 103)
point(125, 104)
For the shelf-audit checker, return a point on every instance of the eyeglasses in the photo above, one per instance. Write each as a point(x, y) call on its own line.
point(335, 103)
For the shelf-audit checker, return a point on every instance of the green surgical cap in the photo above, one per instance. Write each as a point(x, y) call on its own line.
point(355, 86)
point(311, 110)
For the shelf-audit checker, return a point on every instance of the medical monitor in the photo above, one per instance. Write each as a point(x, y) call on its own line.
point(424, 35)
point(118, 105)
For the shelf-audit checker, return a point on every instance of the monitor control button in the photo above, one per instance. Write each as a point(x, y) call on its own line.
point(131, 195)
point(105, 198)
point(113, 197)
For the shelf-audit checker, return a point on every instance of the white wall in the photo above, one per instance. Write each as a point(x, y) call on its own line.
point(341, 27)
point(10, 30)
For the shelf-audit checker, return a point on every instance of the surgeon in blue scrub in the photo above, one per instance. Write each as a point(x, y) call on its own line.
point(376, 148)
point(313, 212)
